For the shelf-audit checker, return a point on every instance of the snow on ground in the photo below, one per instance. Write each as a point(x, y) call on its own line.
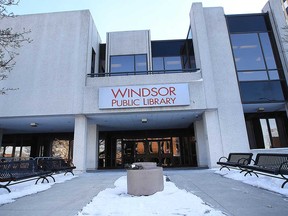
point(29, 187)
point(170, 201)
point(265, 182)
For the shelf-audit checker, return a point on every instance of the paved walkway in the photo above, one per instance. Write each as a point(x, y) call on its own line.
point(232, 197)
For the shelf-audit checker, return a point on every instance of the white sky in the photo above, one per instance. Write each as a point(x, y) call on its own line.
point(167, 19)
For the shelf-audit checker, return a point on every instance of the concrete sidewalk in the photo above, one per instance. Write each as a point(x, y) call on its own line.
point(232, 197)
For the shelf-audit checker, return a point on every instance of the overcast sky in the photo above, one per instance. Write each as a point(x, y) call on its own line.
point(167, 19)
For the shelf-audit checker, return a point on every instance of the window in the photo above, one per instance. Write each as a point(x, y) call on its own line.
point(128, 63)
point(174, 55)
point(258, 66)
point(167, 63)
point(261, 92)
point(247, 52)
point(254, 58)
point(93, 62)
point(267, 131)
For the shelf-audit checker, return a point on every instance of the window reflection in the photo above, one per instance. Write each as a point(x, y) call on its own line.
point(268, 52)
point(167, 63)
point(247, 52)
point(274, 133)
point(140, 149)
point(128, 63)
point(153, 147)
point(173, 63)
point(273, 75)
point(122, 64)
point(252, 75)
point(265, 132)
point(158, 63)
point(140, 63)
point(265, 91)
point(270, 133)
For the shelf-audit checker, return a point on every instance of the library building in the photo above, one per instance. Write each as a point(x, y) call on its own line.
point(179, 103)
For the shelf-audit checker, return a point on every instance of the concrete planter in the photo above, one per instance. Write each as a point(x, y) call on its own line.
point(146, 181)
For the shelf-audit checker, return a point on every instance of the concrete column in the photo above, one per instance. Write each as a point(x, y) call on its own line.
point(201, 144)
point(80, 143)
point(212, 137)
point(202, 52)
point(92, 147)
point(213, 54)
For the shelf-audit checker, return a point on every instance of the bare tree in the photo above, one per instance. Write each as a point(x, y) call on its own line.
point(10, 41)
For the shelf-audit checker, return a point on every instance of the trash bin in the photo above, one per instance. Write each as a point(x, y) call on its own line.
point(144, 179)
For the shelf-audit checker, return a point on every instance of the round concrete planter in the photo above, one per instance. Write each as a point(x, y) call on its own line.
point(146, 181)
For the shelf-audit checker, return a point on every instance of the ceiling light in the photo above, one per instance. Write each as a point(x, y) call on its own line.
point(144, 120)
point(33, 124)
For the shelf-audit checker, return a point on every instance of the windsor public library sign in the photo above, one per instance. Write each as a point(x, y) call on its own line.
point(144, 96)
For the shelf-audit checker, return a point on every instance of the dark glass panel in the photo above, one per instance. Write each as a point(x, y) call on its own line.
point(167, 48)
point(122, 64)
point(173, 63)
point(253, 75)
point(140, 63)
point(102, 56)
point(268, 52)
point(266, 91)
point(273, 75)
point(247, 52)
point(158, 63)
point(247, 23)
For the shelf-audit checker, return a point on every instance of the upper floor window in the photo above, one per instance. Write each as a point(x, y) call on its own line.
point(256, 58)
point(167, 63)
point(93, 61)
point(128, 63)
point(175, 55)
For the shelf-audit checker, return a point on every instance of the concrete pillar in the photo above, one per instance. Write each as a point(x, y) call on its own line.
point(214, 57)
point(80, 143)
point(201, 144)
point(202, 52)
point(212, 137)
point(92, 147)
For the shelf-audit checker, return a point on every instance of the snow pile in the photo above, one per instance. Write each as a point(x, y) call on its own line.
point(265, 182)
point(29, 187)
point(170, 201)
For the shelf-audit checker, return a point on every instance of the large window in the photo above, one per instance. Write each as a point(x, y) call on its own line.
point(128, 63)
point(173, 55)
point(257, 62)
point(254, 57)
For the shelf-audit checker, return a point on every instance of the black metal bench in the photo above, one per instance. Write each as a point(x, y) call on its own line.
point(56, 165)
point(234, 160)
point(273, 165)
point(14, 172)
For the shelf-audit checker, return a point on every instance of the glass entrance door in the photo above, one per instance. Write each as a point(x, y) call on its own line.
point(168, 148)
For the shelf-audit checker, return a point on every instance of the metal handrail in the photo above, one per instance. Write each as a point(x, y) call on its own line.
point(143, 73)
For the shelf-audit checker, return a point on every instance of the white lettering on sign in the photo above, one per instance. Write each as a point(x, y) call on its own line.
point(144, 96)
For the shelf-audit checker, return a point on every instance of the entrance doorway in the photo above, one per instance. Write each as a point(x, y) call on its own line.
point(116, 149)
point(159, 150)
